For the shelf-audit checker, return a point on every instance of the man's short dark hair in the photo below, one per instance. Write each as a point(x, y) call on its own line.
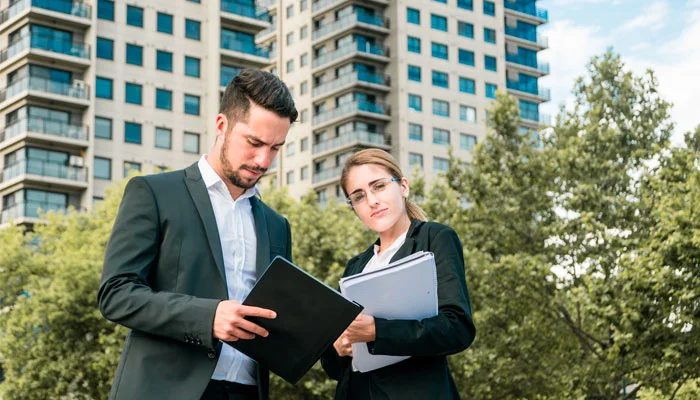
point(263, 89)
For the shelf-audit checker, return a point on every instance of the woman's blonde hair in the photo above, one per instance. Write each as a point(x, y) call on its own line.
point(383, 159)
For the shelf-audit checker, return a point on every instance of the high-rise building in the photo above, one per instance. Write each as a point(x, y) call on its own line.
point(92, 90)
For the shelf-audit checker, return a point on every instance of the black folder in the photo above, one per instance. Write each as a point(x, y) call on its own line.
point(310, 317)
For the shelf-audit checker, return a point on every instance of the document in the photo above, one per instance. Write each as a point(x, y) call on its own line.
point(310, 317)
point(404, 289)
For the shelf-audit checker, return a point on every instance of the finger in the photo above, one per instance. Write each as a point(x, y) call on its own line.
point(250, 311)
point(246, 325)
point(240, 333)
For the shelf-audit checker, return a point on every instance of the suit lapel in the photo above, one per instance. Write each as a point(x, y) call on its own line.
point(408, 246)
point(200, 196)
point(359, 264)
point(262, 234)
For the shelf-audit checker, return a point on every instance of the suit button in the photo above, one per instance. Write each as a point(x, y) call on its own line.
point(211, 353)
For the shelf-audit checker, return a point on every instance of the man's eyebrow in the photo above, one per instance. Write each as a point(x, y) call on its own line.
point(256, 139)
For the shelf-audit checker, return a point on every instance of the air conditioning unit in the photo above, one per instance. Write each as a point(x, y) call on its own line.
point(76, 161)
point(79, 84)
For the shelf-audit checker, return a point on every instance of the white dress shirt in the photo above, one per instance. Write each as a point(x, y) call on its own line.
point(234, 220)
point(380, 260)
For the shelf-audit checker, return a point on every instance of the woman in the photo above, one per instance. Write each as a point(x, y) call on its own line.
point(377, 191)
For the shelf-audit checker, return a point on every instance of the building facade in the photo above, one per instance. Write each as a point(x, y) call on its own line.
point(92, 90)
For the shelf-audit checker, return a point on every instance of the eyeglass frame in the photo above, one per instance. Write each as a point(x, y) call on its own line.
point(348, 200)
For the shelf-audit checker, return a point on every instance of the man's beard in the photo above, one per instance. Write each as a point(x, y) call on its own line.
point(233, 176)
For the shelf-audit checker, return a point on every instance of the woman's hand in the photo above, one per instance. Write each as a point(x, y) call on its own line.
point(361, 330)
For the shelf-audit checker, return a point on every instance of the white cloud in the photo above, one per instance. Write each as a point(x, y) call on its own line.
point(652, 18)
point(582, 2)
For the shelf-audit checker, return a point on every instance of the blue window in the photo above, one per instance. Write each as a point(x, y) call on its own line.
point(415, 132)
point(190, 143)
point(164, 99)
point(467, 85)
point(414, 73)
point(228, 73)
point(134, 16)
point(438, 22)
point(466, 57)
point(192, 29)
point(105, 48)
point(490, 63)
point(164, 138)
point(103, 128)
point(192, 66)
point(441, 1)
point(491, 90)
point(103, 88)
point(105, 10)
point(191, 104)
point(465, 4)
point(440, 79)
point(413, 16)
point(102, 168)
point(413, 44)
point(489, 35)
point(529, 110)
point(441, 108)
point(489, 8)
point(415, 102)
point(467, 142)
point(465, 29)
point(165, 23)
point(164, 60)
point(132, 132)
point(132, 93)
point(440, 164)
point(134, 54)
point(131, 166)
point(439, 50)
point(441, 136)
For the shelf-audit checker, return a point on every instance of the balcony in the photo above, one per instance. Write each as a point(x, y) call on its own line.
point(50, 44)
point(45, 129)
point(245, 52)
point(53, 173)
point(355, 138)
point(535, 116)
point(266, 34)
point(328, 174)
point(370, 109)
point(371, 50)
point(67, 7)
point(528, 9)
point(351, 79)
point(354, 19)
point(245, 15)
point(539, 68)
point(72, 93)
point(541, 94)
point(320, 5)
point(528, 36)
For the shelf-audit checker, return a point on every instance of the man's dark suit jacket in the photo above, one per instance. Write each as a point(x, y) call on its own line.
point(426, 374)
point(163, 278)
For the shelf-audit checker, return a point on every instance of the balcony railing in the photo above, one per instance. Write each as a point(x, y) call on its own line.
point(534, 115)
point(532, 89)
point(348, 49)
point(348, 20)
point(269, 29)
point(356, 136)
point(351, 77)
point(326, 174)
point(317, 5)
point(529, 35)
point(46, 126)
point(44, 168)
point(244, 47)
point(48, 43)
point(30, 209)
point(69, 7)
point(528, 8)
point(349, 108)
point(44, 85)
point(245, 9)
point(528, 62)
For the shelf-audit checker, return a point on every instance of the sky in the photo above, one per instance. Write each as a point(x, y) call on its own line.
point(662, 35)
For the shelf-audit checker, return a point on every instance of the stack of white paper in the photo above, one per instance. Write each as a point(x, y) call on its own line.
point(404, 289)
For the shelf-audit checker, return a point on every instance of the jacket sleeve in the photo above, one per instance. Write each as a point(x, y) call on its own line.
point(125, 296)
point(333, 364)
point(452, 329)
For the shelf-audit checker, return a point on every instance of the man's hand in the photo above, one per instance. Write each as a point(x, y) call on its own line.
point(230, 323)
point(361, 330)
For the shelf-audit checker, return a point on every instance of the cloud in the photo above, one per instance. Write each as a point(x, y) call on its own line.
point(652, 18)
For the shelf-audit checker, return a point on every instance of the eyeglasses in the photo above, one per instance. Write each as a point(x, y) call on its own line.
point(358, 197)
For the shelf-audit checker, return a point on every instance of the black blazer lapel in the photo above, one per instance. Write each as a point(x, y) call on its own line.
point(263, 238)
point(359, 263)
point(200, 196)
point(409, 245)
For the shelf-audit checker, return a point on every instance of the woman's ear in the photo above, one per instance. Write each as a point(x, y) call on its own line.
point(404, 187)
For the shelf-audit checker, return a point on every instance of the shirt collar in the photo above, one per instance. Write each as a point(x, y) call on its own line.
point(211, 178)
point(397, 243)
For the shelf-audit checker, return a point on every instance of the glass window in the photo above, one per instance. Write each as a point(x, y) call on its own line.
point(467, 142)
point(190, 143)
point(489, 35)
point(491, 90)
point(102, 168)
point(131, 166)
point(103, 128)
point(191, 104)
point(465, 4)
point(303, 4)
point(466, 57)
point(440, 79)
point(103, 88)
point(192, 66)
point(414, 44)
point(164, 99)
point(440, 164)
point(413, 16)
point(303, 32)
point(105, 48)
point(414, 73)
point(134, 54)
point(304, 172)
point(415, 102)
point(415, 159)
point(441, 1)
point(304, 60)
point(165, 23)
point(134, 16)
point(290, 11)
point(290, 65)
point(304, 87)
point(467, 85)
point(290, 149)
point(132, 93)
point(105, 10)
point(438, 22)
point(490, 63)
point(465, 29)
point(304, 144)
point(164, 60)
point(163, 138)
point(441, 108)
point(132, 132)
point(439, 50)
point(304, 116)
point(441, 136)
point(489, 8)
point(415, 132)
point(290, 38)
point(192, 29)
point(467, 113)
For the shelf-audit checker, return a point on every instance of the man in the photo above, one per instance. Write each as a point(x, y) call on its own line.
point(186, 249)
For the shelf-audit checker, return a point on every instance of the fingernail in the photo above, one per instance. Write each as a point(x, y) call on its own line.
point(274, 314)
